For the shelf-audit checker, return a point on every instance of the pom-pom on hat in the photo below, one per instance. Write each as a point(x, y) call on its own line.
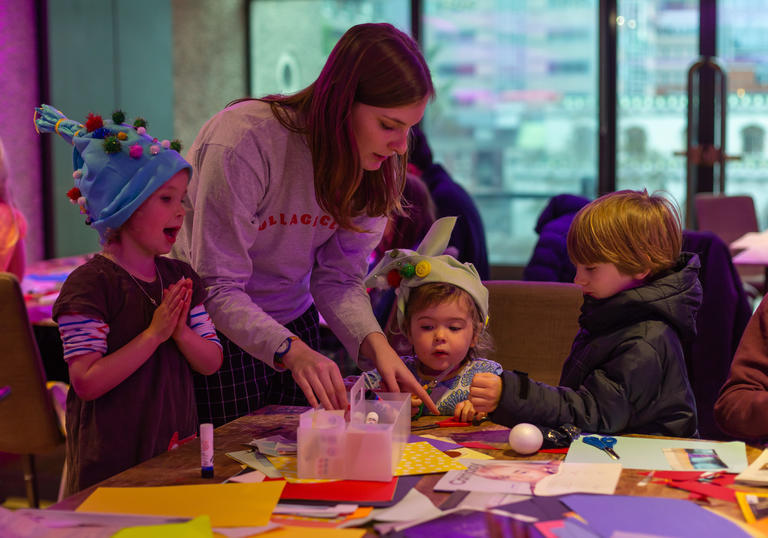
point(117, 166)
point(407, 269)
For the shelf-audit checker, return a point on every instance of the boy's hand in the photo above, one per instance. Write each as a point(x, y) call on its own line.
point(465, 412)
point(485, 392)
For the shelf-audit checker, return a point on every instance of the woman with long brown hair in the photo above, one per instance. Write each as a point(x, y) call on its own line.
point(289, 196)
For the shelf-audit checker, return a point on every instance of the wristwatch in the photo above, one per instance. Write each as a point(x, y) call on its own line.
point(284, 348)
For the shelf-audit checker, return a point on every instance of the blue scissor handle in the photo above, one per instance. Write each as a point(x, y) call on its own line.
point(595, 442)
point(603, 443)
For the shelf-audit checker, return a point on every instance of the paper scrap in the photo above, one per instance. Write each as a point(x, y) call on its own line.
point(228, 505)
point(257, 461)
point(199, 527)
point(423, 458)
point(600, 478)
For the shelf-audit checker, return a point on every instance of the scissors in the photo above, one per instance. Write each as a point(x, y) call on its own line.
point(605, 444)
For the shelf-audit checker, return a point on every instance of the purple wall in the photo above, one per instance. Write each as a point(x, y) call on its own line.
point(19, 94)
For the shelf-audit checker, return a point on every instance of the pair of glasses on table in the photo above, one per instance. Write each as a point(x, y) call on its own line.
point(605, 444)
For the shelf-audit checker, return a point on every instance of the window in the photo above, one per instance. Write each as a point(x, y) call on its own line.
point(520, 126)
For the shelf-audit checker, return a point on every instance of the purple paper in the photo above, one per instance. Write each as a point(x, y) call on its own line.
point(437, 443)
point(486, 436)
point(607, 514)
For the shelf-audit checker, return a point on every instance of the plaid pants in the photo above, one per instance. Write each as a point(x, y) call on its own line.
point(243, 384)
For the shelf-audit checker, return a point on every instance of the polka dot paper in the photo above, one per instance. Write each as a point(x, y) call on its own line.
point(423, 458)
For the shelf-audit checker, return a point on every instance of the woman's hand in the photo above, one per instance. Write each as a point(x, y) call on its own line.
point(317, 376)
point(485, 392)
point(395, 375)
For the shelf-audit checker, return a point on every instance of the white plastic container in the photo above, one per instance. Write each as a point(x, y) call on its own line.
point(331, 447)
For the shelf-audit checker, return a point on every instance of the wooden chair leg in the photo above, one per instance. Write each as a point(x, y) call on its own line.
point(30, 479)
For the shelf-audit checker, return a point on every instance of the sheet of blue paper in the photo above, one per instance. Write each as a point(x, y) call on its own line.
point(607, 514)
point(645, 453)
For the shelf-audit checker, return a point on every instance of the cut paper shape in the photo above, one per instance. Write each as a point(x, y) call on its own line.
point(199, 527)
point(423, 458)
point(228, 505)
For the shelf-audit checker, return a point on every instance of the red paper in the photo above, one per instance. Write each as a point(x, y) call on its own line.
point(341, 491)
point(554, 450)
point(708, 489)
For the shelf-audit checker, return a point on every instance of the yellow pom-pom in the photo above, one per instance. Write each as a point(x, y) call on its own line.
point(423, 268)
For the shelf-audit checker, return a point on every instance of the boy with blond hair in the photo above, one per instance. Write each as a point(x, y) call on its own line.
point(626, 371)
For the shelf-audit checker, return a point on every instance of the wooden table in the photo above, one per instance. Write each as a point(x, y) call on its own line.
point(182, 466)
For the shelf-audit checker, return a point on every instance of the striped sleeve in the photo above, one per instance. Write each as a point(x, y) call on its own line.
point(82, 334)
point(200, 322)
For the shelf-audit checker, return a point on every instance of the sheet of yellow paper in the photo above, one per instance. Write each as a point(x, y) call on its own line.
point(200, 527)
point(228, 505)
point(423, 458)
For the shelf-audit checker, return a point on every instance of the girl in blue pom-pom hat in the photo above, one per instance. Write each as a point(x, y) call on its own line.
point(132, 321)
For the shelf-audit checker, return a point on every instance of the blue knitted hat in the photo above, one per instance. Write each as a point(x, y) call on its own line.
point(407, 269)
point(117, 165)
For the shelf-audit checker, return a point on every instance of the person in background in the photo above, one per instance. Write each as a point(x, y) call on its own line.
point(549, 261)
point(442, 309)
point(451, 200)
point(404, 230)
point(289, 196)
point(132, 322)
point(743, 401)
point(13, 225)
point(626, 371)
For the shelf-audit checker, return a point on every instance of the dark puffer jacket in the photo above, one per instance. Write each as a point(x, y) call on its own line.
point(626, 371)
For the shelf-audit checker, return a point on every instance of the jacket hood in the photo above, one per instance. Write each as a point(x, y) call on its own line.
point(674, 297)
point(562, 204)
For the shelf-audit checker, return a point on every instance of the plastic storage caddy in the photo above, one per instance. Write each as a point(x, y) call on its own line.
point(331, 447)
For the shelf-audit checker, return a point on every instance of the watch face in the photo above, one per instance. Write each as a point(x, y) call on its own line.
point(282, 348)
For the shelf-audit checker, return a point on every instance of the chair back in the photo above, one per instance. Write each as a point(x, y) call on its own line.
point(533, 325)
point(728, 217)
point(28, 422)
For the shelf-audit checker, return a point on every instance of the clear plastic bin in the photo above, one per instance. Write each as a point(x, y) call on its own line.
point(331, 447)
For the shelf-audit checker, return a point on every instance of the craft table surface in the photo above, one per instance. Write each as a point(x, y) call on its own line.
point(182, 466)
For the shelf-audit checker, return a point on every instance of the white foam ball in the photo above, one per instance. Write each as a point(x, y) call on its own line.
point(525, 438)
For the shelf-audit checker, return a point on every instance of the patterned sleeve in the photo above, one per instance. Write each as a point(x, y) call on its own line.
point(200, 322)
point(82, 334)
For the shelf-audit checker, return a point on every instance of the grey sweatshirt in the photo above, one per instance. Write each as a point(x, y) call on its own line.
point(263, 247)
